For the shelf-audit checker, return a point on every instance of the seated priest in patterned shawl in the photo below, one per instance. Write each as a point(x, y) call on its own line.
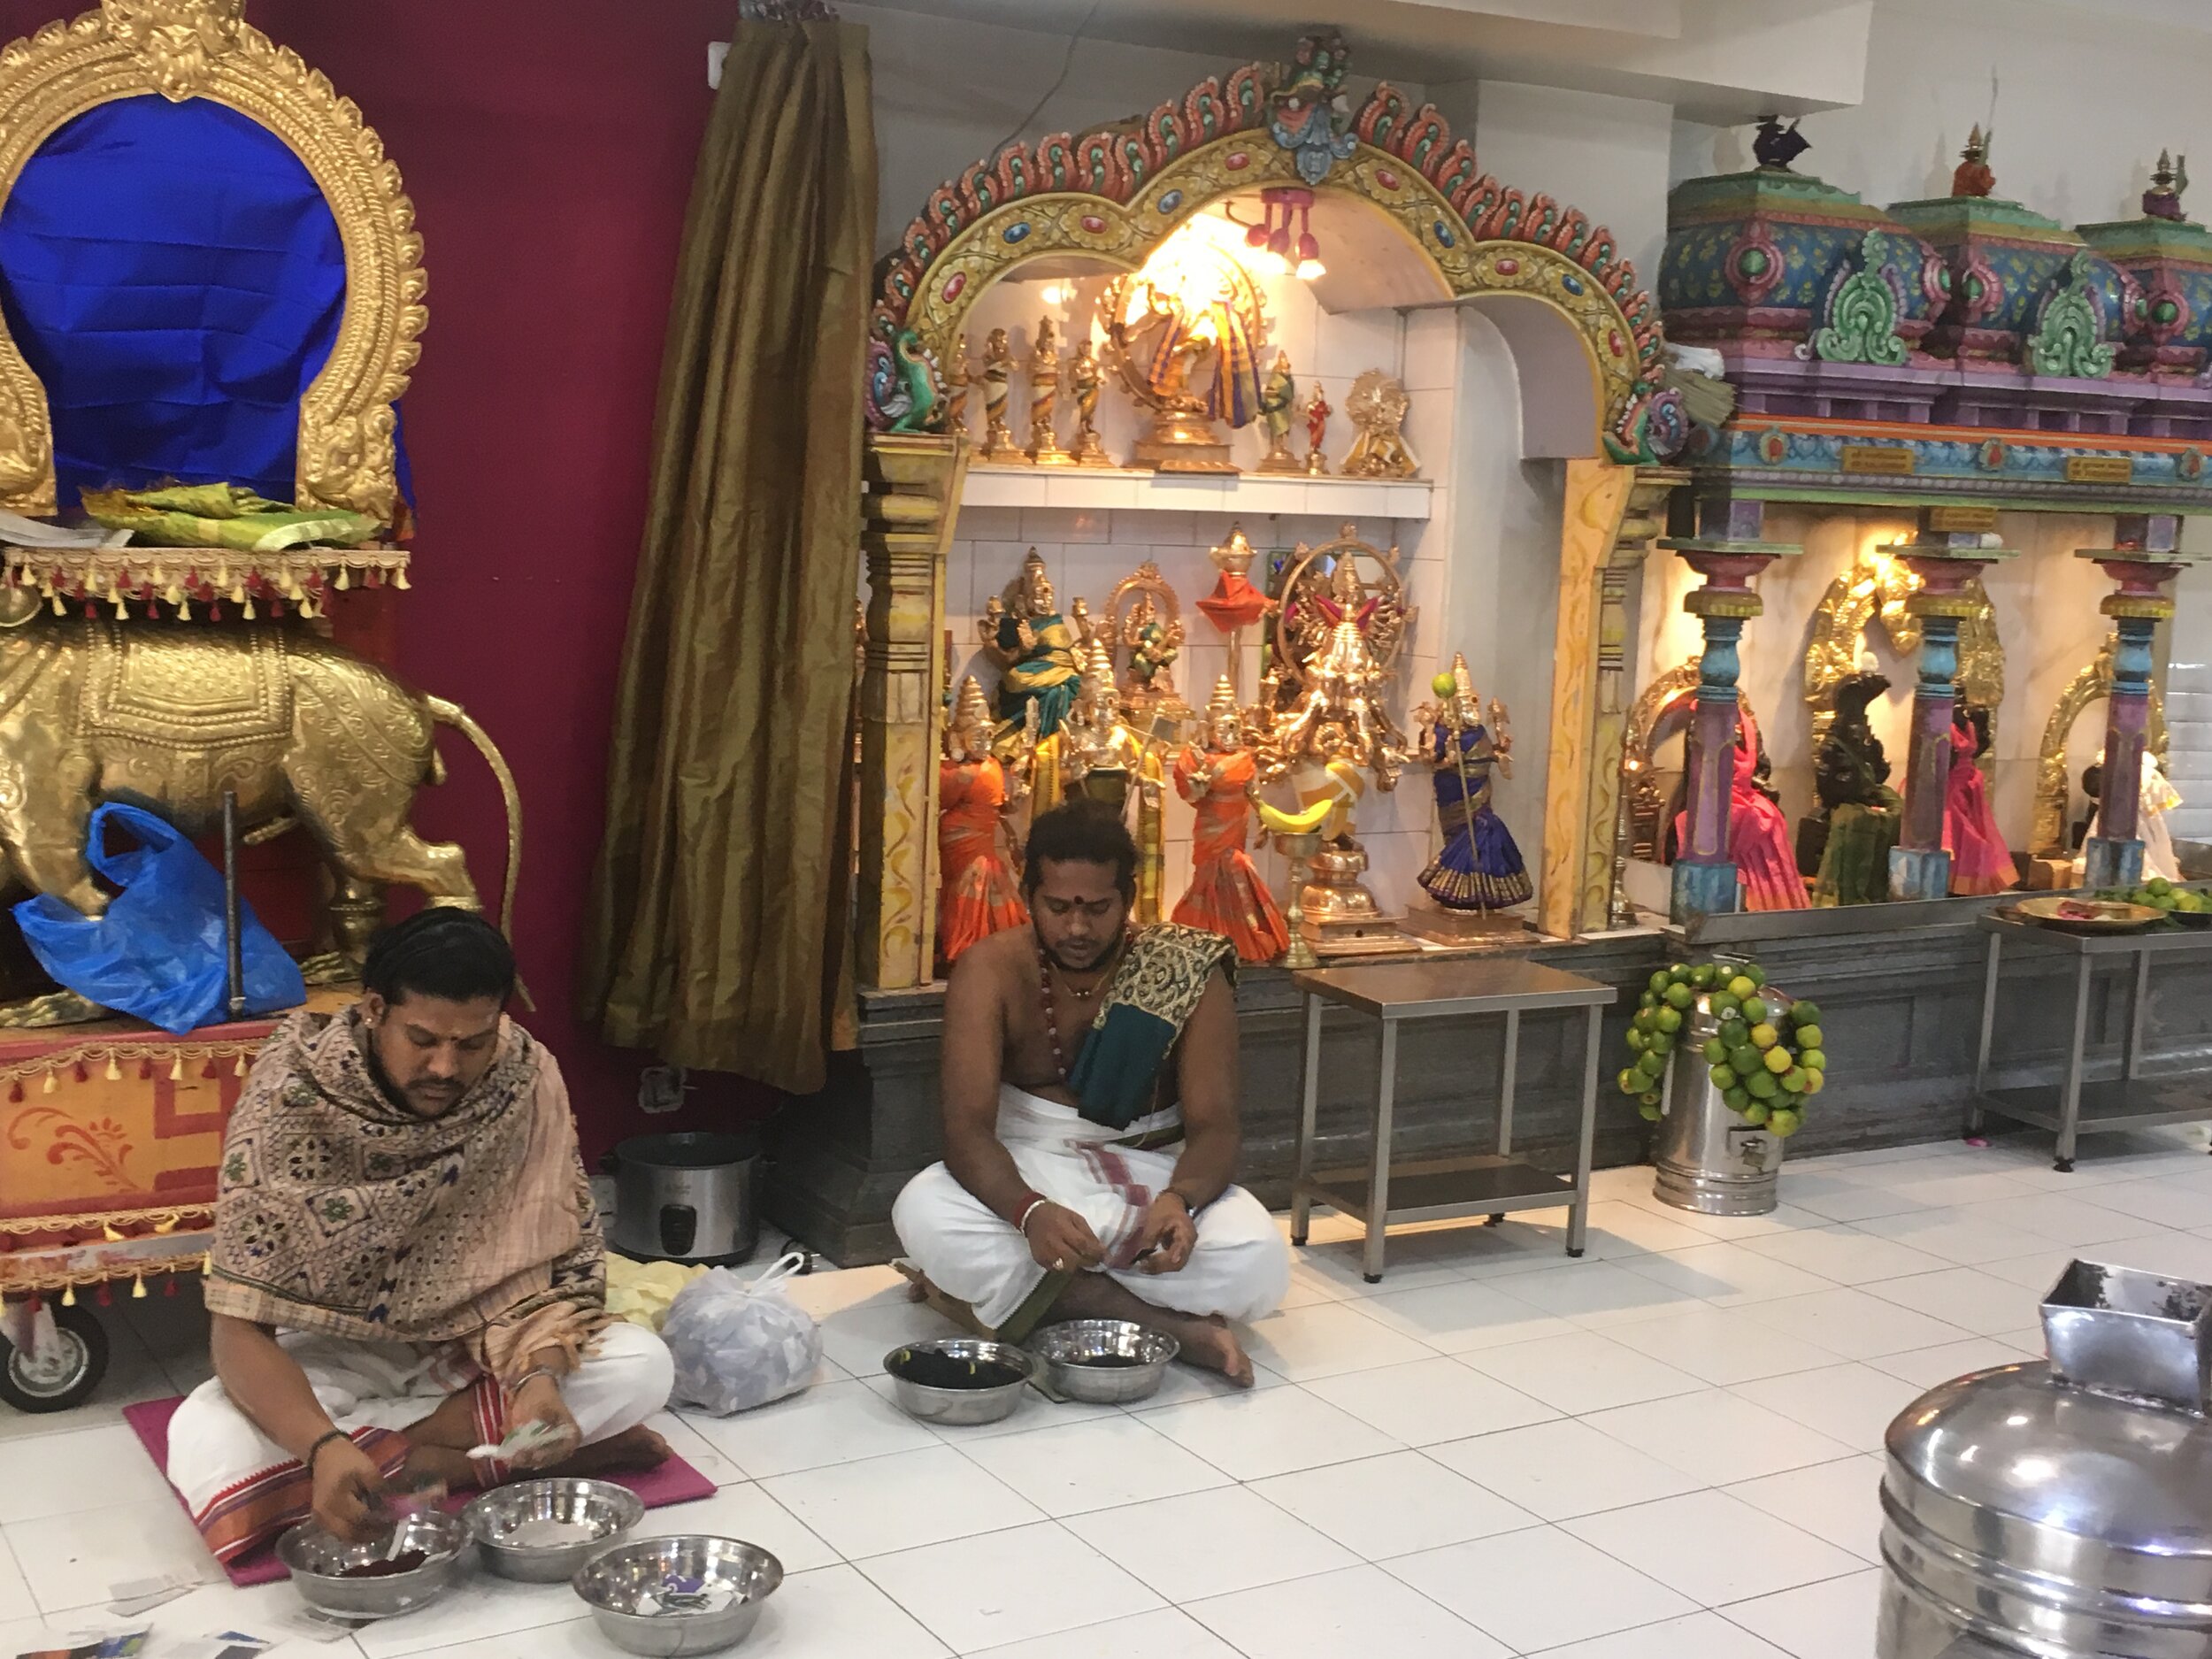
point(1090, 1117)
point(407, 1263)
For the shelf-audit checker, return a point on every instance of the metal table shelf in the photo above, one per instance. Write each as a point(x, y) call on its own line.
point(2081, 1105)
point(1438, 1189)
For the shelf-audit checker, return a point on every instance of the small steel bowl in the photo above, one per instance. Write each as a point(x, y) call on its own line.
point(958, 1406)
point(611, 1582)
point(318, 1562)
point(609, 1510)
point(1063, 1348)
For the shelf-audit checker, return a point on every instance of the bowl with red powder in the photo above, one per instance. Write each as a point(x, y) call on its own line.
point(395, 1573)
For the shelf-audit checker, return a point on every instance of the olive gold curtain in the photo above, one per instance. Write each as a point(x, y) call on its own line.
point(718, 909)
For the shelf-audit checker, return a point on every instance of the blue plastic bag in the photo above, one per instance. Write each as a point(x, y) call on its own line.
point(159, 952)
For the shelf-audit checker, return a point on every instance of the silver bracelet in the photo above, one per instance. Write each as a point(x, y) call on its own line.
point(532, 1375)
point(1029, 1209)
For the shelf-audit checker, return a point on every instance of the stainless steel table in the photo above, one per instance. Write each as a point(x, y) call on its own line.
point(1435, 1189)
point(2078, 1106)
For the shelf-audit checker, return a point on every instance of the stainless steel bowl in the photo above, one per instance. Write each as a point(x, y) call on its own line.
point(612, 1582)
point(1063, 1348)
point(958, 1406)
point(318, 1561)
point(609, 1510)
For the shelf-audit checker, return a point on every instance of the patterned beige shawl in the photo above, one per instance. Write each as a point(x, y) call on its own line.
point(342, 1212)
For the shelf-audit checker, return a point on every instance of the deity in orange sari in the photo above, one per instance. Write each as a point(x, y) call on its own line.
point(979, 895)
point(1226, 894)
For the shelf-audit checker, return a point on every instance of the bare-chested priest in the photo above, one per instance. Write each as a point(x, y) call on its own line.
point(1090, 1117)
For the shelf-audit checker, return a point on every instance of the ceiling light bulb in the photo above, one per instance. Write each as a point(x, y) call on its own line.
point(1309, 269)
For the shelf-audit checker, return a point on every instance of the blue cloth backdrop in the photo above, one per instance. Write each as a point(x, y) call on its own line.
point(172, 274)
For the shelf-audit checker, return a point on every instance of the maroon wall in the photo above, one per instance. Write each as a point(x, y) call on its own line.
point(547, 148)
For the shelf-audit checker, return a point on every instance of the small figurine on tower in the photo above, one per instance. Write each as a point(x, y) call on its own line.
point(1226, 894)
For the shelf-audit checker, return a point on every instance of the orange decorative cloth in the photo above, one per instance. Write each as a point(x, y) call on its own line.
point(1226, 896)
point(979, 895)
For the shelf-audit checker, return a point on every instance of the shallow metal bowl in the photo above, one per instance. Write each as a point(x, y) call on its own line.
point(318, 1562)
point(958, 1406)
point(611, 1582)
point(1063, 1348)
point(608, 1509)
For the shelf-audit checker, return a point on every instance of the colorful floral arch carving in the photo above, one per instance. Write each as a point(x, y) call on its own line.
point(1116, 194)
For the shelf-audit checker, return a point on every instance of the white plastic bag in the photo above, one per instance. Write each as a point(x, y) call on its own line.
point(740, 1344)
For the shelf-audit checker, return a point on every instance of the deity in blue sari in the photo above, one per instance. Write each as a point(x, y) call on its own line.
point(1480, 867)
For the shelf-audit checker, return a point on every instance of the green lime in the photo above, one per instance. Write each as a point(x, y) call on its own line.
point(1701, 976)
point(1813, 1060)
point(1725, 1003)
point(1679, 974)
point(1724, 1077)
point(1763, 1084)
point(1635, 1039)
point(1660, 981)
point(1778, 1060)
point(1756, 974)
point(1669, 1019)
point(1737, 1099)
point(1815, 1081)
point(1646, 999)
point(2159, 886)
point(1649, 1110)
point(1755, 1114)
point(1652, 1065)
point(1659, 1043)
point(1809, 1036)
point(1755, 1010)
point(1793, 1081)
point(1647, 1019)
point(1783, 1121)
point(1804, 1012)
point(1766, 1038)
point(1740, 987)
point(1745, 1058)
point(1631, 1079)
point(1680, 996)
point(1715, 1051)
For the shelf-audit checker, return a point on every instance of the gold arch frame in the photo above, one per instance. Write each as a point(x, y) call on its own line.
point(204, 48)
point(1640, 738)
point(2046, 835)
point(1875, 589)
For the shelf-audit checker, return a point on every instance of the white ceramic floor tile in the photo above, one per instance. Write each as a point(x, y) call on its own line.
point(1852, 1405)
point(1695, 1636)
point(1595, 1294)
point(1328, 1337)
point(1963, 1185)
point(1712, 1547)
point(1737, 1229)
point(1162, 1633)
point(1182, 1385)
point(16, 1601)
point(1963, 1238)
point(2055, 1216)
point(1978, 1304)
point(902, 1502)
point(1269, 1431)
point(1538, 1589)
point(71, 1560)
point(2041, 1270)
point(830, 1423)
point(1408, 1264)
point(743, 1512)
point(1394, 1505)
point(1583, 1372)
point(1361, 1610)
point(1837, 1197)
point(1717, 1436)
point(832, 1614)
point(857, 1338)
point(2181, 1254)
point(1927, 1367)
point(1634, 1225)
point(565, 1638)
point(1459, 1317)
point(1840, 1503)
point(976, 1592)
point(1211, 1543)
point(81, 1469)
point(1853, 1322)
point(681, 1431)
point(2164, 1203)
point(1728, 1275)
point(1561, 1469)
point(1850, 1255)
point(1097, 1465)
point(492, 1607)
point(1722, 1345)
point(1432, 1400)
point(1830, 1620)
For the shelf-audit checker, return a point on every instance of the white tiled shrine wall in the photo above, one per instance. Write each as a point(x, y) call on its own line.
point(1483, 579)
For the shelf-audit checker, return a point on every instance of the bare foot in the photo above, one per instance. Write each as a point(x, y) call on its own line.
point(632, 1450)
point(1211, 1344)
point(918, 1289)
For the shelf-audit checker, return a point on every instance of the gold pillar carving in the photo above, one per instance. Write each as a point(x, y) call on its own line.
point(1597, 498)
point(912, 502)
point(1604, 821)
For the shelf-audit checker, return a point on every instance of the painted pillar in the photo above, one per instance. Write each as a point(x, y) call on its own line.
point(1728, 550)
point(1603, 847)
point(1946, 555)
point(2147, 557)
point(912, 501)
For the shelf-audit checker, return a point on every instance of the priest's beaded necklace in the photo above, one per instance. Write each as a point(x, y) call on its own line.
point(1046, 972)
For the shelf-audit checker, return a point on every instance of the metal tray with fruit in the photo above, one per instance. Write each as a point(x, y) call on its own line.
point(2070, 915)
point(2184, 906)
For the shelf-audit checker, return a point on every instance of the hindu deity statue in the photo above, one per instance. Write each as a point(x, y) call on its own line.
point(978, 895)
point(1278, 409)
point(1153, 640)
point(1851, 780)
point(1480, 867)
point(997, 377)
point(1085, 379)
point(1226, 894)
point(1340, 714)
point(1318, 413)
point(2169, 180)
point(1758, 834)
point(1980, 861)
point(1972, 176)
point(1096, 752)
point(1036, 652)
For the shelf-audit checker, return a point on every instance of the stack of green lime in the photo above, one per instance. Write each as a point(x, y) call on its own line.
point(2158, 894)
point(1766, 1057)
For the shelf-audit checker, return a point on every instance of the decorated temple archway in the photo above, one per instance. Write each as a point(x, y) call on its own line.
point(1552, 281)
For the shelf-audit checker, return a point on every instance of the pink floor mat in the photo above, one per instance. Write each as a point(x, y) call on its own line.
point(675, 1481)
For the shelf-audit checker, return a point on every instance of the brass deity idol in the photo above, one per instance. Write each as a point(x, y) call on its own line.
point(1378, 408)
point(1044, 394)
point(1085, 377)
point(1279, 408)
point(1146, 620)
point(1162, 342)
point(1318, 413)
point(1036, 650)
point(1096, 752)
point(997, 377)
point(957, 386)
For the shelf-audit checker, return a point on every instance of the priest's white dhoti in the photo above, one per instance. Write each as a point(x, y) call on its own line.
point(1240, 1268)
point(243, 1488)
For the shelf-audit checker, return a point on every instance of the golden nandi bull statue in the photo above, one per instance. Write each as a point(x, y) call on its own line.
point(170, 717)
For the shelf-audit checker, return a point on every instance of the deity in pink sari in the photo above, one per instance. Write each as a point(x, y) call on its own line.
point(1979, 860)
point(1758, 834)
